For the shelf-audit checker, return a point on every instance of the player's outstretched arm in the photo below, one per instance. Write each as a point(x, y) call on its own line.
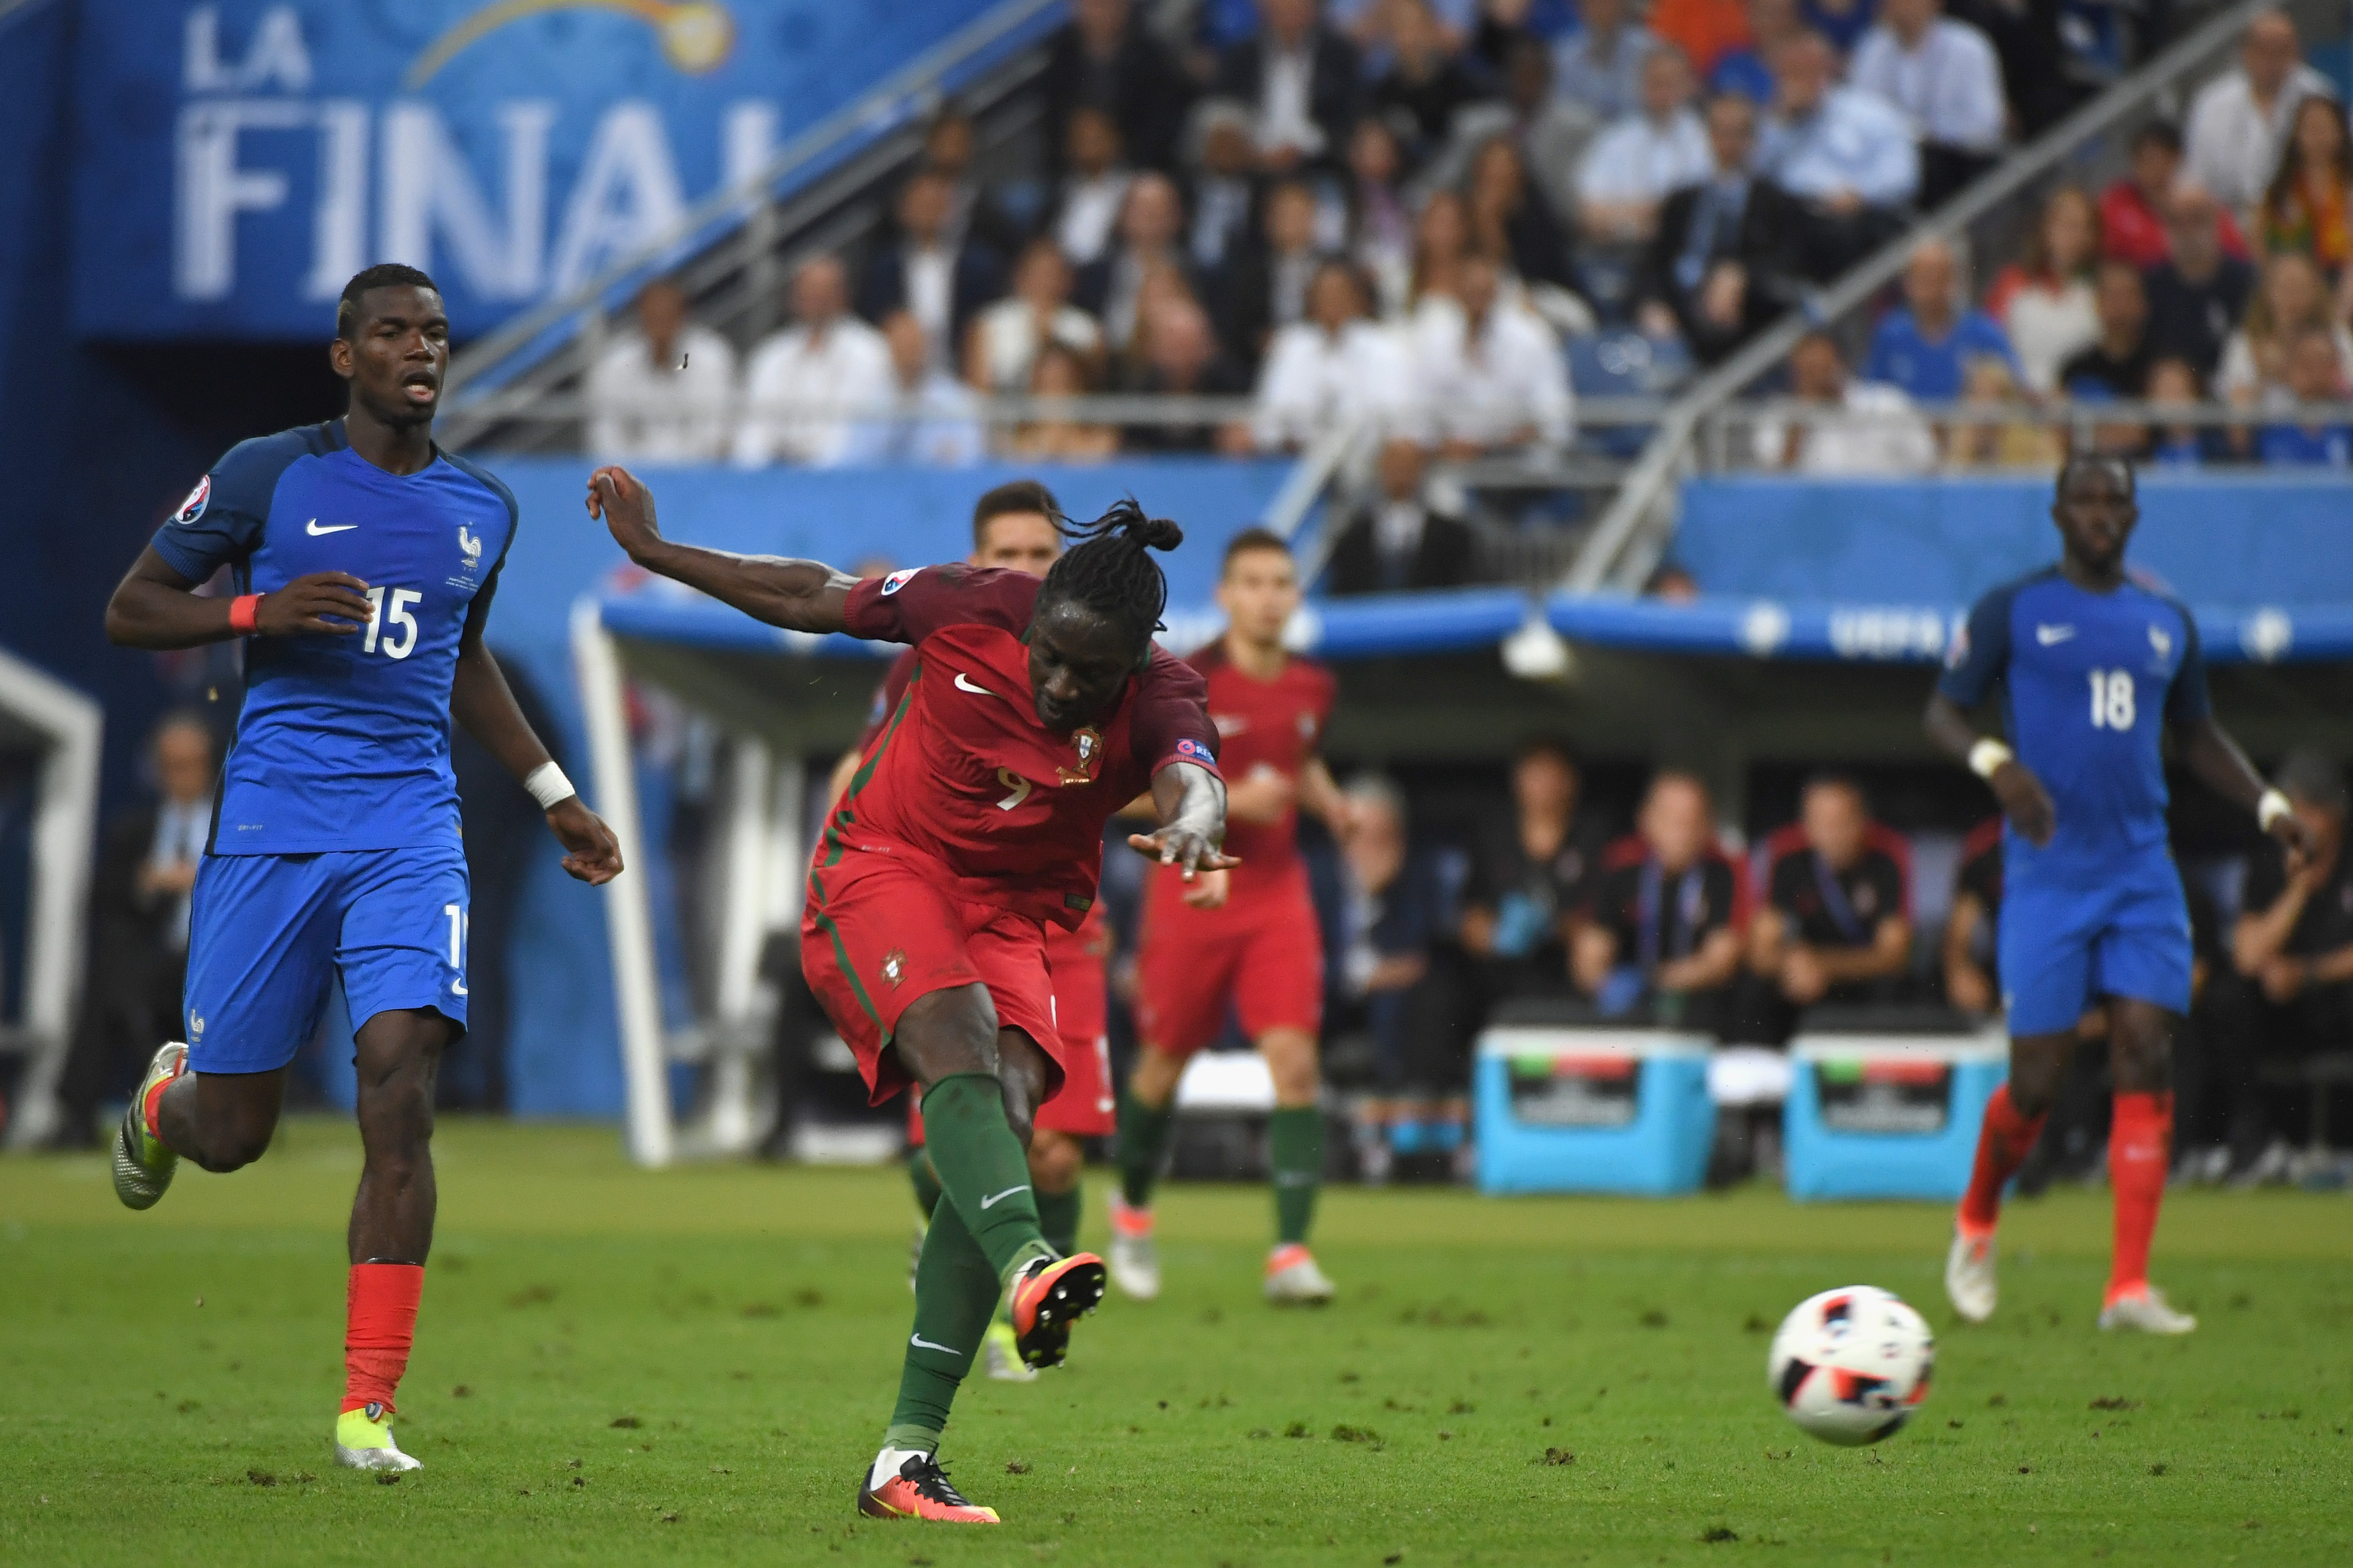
point(2023, 799)
point(1191, 804)
point(798, 595)
point(153, 606)
point(2208, 752)
point(481, 699)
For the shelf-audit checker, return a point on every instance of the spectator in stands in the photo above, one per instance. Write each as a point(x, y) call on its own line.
point(1530, 876)
point(1180, 358)
point(1988, 385)
point(1491, 377)
point(1841, 21)
point(1725, 259)
point(1922, 347)
point(1428, 81)
point(1873, 431)
point(1091, 189)
point(1301, 81)
point(1401, 543)
point(1150, 223)
point(1509, 221)
point(2304, 208)
point(1665, 913)
point(139, 927)
point(2135, 211)
point(798, 379)
point(1550, 133)
point(1600, 66)
point(1706, 31)
point(2290, 301)
point(1380, 225)
point(948, 146)
point(1056, 435)
point(1633, 167)
point(1225, 185)
point(2239, 121)
point(932, 419)
point(2045, 299)
point(2116, 366)
point(1672, 584)
point(2175, 381)
point(1334, 368)
point(1972, 957)
point(1004, 338)
point(2315, 374)
point(928, 271)
point(661, 394)
point(1836, 920)
point(1441, 241)
point(1744, 70)
point(2197, 294)
point(1266, 289)
point(1845, 154)
point(1105, 58)
point(1942, 76)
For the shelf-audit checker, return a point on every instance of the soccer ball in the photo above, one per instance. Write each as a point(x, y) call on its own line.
point(1850, 1365)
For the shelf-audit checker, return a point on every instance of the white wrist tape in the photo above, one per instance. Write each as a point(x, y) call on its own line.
point(1987, 755)
point(2270, 808)
point(547, 785)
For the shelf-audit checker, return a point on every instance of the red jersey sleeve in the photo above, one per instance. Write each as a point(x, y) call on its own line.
point(910, 605)
point(1172, 716)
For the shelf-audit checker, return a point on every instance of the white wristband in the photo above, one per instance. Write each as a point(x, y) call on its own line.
point(1986, 756)
point(547, 785)
point(2270, 808)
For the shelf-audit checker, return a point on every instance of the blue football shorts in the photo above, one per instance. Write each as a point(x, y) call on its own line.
point(269, 934)
point(2066, 945)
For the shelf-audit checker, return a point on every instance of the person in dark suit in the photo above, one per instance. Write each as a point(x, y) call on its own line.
point(927, 269)
point(1726, 258)
point(1179, 357)
point(1401, 543)
point(1302, 82)
point(1264, 288)
point(1105, 59)
point(139, 928)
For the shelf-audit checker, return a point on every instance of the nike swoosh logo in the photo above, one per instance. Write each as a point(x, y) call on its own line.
point(963, 685)
point(2047, 636)
point(992, 1203)
point(315, 531)
point(922, 1343)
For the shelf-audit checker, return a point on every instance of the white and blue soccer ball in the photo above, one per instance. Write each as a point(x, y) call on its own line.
point(1850, 1365)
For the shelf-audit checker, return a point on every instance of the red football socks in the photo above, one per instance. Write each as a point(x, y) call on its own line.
point(2140, 1139)
point(2003, 1143)
point(380, 1321)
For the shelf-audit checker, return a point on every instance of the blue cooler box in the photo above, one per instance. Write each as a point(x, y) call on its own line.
point(1887, 1116)
point(1591, 1111)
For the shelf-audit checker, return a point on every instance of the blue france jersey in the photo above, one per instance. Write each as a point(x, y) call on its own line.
point(2089, 681)
point(343, 743)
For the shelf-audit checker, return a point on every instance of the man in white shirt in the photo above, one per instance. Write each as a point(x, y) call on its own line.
point(830, 359)
point(933, 418)
point(2238, 119)
point(1302, 80)
point(1333, 367)
point(1096, 183)
point(1492, 377)
point(1845, 154)
point(1638, 162)
point(1945, 78)
point(1874, 431)
point(661, 394)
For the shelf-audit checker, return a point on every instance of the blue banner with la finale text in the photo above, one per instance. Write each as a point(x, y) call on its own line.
point(236, 161)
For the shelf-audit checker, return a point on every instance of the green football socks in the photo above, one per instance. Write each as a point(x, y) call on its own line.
point(925, 1180)
point(1294, 1146)
point(956, 1296)
point(1142, 1145)
point(982, 1171)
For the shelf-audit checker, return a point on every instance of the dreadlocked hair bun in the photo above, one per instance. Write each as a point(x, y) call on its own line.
point(1109, 571)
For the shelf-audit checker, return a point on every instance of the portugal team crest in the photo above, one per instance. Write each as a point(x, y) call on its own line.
point(1088, 743)
point(894, 966)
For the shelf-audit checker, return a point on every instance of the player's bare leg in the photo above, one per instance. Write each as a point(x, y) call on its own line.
point(1147, 1113)
point(2013, 1121)
point(1294, 1137)
point(398, 1057)
point(981, 1086)
point(2141, 1057)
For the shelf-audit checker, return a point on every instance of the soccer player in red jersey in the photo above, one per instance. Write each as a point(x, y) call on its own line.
point(1263, 951)
point(1037, 709)
point(1014, 528)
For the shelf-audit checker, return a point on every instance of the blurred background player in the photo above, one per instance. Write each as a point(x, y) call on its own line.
point(2093, 669)
point(1263, 952)
point(1015, 527)
point(1034, 712)
point(335, 850)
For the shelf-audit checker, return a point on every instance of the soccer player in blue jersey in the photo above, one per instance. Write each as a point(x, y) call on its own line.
point(366, 559)
point(2092, 667)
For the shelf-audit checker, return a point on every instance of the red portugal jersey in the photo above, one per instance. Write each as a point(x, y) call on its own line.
point(963, 776)
point(1274, 724)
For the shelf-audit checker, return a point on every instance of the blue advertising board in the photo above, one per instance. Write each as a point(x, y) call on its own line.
point(236, 161)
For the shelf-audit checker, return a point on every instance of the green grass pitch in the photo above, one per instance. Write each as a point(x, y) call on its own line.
point(692, 1366)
